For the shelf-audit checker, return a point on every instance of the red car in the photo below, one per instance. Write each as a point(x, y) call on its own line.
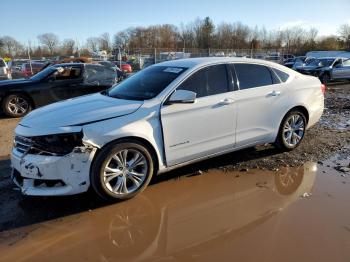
point(125, 67)
point(28, 71)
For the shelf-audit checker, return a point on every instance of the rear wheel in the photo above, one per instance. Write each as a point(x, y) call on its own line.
point(292, 130)
point(16, 105)
point(122, 170)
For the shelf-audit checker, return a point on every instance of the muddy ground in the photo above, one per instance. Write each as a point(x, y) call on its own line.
point(323, 159)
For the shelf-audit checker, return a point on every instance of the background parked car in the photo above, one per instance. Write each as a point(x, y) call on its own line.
point(125, 67)
point(53, 84)
point(5, 72)
point(30, 69)
point(324, 67)
point(339, 71)
point(294, 62)
point(15, 66)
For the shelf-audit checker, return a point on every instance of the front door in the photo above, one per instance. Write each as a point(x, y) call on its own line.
point(64, 83)
point(205, 127)
point(342, 71)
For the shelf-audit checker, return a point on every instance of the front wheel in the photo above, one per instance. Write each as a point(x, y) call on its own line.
point(325, 78)
point(122, 170)
point(292, 130)
point(16, 105)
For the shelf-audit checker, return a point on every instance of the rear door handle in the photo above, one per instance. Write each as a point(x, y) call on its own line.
point(226, 101)
point(274, 93)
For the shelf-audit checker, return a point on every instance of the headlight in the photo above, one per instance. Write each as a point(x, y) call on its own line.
point(60, 144)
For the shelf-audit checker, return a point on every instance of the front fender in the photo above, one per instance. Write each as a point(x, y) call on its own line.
point(141, 125)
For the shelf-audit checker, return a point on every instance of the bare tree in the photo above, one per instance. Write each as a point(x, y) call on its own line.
point(92, 44)
point(68, 46)
point(11, 46)
point(50, 40)
point(121, 39)
point(105, 42)
point(344, 32)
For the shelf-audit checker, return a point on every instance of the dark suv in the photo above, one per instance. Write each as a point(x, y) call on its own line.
point(53, 84)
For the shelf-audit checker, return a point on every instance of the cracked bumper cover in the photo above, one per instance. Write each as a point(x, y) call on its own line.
point(72, 169)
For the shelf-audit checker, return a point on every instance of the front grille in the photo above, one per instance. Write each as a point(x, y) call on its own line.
point(22, 144)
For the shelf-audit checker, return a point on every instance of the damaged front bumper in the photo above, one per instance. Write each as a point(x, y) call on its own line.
point(43, 175)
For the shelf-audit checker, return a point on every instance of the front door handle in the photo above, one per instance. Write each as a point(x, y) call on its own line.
point(226, 101)
point(274, 93)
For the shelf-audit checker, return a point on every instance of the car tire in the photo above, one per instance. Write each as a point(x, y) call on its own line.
point(325, 78)
point(16, 105)
point(122, 170)
point(291, 131)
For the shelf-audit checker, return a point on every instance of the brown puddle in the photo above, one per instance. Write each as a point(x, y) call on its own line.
point(240, 216)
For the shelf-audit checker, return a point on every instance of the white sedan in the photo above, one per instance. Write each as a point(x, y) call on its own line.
point(166, 116)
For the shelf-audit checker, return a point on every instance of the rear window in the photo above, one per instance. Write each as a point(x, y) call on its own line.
point(281, 75)
point(2, 63)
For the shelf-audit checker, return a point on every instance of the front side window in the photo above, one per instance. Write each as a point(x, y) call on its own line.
point(252, 75)
point(346, 62)
point(66, 73)
point(208, 81)
point(147, 83)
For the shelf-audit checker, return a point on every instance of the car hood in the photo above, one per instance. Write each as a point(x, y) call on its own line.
point(79, 111)
point(15, 82)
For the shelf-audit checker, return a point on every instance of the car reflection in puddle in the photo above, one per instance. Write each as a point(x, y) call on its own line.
point(173, 219)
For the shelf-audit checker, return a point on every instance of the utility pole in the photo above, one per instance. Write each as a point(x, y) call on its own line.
point(30, 60)
point(155, 55)
point(119, 58)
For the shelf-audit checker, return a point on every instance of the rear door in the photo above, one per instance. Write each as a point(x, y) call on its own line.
point(205, 127)
point(259, 102)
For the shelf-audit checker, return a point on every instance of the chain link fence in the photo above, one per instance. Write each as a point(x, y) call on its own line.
point(143, 57)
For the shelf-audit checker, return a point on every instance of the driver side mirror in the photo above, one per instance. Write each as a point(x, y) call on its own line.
point(182, 97)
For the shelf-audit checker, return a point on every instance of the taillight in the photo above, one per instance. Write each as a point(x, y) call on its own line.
point(323, 88)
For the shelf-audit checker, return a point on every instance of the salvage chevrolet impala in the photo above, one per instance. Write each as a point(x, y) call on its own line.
point(167, 115)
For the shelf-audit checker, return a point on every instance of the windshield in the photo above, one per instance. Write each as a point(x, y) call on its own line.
point(322, 62)
point(43, 74)
point(147, 83)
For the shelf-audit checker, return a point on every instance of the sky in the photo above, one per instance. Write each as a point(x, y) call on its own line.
point(80, 19)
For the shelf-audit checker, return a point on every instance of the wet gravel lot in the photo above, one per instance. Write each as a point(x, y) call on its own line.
point(26, 222)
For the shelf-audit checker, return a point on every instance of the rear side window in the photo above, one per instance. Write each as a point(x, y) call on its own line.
point(281, 75)
point(208, 81)
point(251, 75)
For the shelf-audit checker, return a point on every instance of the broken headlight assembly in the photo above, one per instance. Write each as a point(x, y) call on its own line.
point(55, 145)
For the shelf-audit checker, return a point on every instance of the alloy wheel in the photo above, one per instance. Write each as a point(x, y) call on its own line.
point(18, 105)
point(293, 130)
point(125, 171)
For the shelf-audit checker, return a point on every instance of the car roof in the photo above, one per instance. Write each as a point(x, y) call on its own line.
point(71, 64)
point(203, 61)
